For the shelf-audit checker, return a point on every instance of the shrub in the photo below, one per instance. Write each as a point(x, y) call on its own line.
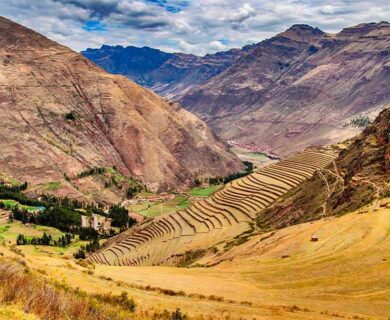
point(70, 116)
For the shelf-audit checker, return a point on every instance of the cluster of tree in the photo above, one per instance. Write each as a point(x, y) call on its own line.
point(6, 193)
point(360, 122)
point(91, 172)
point(47, 200)
point(45, 240)
point(133, 191)
point(120, 217)
point(90, 248)
point(13, 188)
point(88, 233)
point(63, 218)
point(218, 180)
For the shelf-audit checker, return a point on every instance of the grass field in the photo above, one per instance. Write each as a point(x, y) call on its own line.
point(275, 276)
point(10, 230)
point(14, 313)
point(13, 203)
point(154, 209)
point(204, 192)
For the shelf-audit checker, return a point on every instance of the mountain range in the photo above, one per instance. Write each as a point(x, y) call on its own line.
point(62, 116)
point(302, 87)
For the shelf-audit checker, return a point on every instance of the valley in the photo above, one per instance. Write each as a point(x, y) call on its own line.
point(291, 91)
point(256, 187)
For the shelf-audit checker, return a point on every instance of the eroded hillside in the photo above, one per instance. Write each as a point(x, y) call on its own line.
point(300, 88)
point(359, 176)
point(62, 115)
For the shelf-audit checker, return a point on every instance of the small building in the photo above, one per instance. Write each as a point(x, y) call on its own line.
point(314, 238)
point(96, 222)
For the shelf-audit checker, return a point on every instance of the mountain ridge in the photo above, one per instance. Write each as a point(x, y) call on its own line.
point(71, 116)
point(294, 90)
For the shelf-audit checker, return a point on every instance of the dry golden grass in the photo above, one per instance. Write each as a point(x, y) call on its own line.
point(280, 275)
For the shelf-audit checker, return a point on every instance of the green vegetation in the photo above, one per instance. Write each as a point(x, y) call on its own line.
point(154, 209)
point(71, 116)
point(120, 217)
point(9, 231)
point(53, 186)
point(204, 192)
point(191, 256)
point(236, 175)
point(359, 121)
point(45, 240)
point(9, 204)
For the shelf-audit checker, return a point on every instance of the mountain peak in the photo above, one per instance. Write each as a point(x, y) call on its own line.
point(302, 33)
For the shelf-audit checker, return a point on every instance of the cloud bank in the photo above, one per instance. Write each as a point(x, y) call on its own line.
point(190, 26)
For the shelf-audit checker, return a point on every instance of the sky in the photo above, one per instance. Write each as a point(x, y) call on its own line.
point(189, 26)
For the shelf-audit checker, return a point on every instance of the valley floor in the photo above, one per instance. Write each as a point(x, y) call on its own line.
point(280, 275)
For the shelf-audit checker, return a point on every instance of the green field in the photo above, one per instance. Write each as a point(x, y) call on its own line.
point(204, 192)
point(13, 203)
point(10, 230)
point(153, 209)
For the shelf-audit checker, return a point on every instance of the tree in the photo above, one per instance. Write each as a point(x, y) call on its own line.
point(21, 240)
point(120, 217)
point(80, 254)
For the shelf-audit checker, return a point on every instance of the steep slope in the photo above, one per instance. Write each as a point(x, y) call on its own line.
point(307, 186)
point(358, 177)
point(61, 115)
point(298, 88)
point(169, 74)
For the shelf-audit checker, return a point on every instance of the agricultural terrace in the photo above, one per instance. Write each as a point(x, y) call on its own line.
point(222, 216)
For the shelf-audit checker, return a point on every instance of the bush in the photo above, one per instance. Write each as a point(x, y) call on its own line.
point(79, 254)
point(70, 116)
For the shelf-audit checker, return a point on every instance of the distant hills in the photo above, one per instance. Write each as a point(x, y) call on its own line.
point(169, 74)
point(62, 116)
point(300, 88)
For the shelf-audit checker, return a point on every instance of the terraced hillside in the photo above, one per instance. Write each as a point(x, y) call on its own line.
point(228, 213)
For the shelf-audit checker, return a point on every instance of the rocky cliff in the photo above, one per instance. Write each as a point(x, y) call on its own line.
point(61, 114)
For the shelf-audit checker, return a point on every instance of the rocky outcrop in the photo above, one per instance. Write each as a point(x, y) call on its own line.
point(61, 114)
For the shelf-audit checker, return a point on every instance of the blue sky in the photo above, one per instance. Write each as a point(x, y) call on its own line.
point(190, 26)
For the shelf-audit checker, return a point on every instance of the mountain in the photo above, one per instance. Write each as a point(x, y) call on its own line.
point(358, 177)
point(311, 185)
point(300, 88)
point(168, 74)
point(62, 116)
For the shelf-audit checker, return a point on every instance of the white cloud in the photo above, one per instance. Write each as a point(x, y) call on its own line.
point(193, 26)
point(216, 46)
